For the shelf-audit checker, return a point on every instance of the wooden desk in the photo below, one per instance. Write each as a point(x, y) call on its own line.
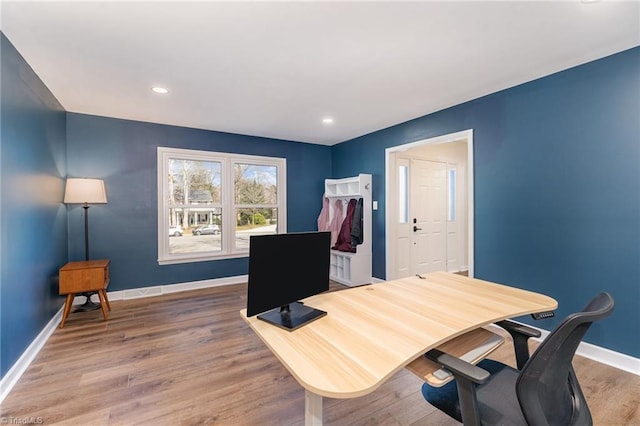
point(81, 277)
point(371, 332)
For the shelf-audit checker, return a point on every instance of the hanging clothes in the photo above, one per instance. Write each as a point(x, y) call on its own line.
point(357, 234)
point(343, 243)
point(323, 218)
point(336, 221)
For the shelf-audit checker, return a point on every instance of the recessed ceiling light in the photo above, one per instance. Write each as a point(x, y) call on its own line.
point(160, 90)
point(327, 120)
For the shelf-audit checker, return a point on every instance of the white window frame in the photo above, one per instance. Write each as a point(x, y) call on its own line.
point(227, 189)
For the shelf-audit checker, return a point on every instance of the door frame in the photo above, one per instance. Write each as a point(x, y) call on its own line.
point(390, 197)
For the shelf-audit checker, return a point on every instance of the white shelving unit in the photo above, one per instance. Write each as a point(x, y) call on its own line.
point(352, 268)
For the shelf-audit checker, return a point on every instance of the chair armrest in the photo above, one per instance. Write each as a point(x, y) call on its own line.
point(458, 367)
point(467, 376)
point(520, 334)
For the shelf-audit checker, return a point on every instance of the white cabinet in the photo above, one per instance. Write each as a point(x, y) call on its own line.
point(351, 268)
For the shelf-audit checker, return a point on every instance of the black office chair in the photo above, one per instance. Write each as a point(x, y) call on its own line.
point(545, 391)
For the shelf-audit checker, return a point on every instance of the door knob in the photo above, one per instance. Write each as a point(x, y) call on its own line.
point(415, 228)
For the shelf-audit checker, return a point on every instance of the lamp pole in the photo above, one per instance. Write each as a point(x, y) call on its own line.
point(88, 305)
point(86, 230)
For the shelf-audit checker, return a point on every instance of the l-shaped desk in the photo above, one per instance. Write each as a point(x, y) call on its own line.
point(373, 331)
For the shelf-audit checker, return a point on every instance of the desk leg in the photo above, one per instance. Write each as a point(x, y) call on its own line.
point(312, 409)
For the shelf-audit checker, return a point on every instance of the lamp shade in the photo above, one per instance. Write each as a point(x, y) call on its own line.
point(80, 191)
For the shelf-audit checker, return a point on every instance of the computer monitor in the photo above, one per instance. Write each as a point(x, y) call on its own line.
point(284, 268)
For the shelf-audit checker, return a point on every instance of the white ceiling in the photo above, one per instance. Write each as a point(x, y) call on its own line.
point(275, 69)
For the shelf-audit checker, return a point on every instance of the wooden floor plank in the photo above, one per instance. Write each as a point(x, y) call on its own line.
point(189, 359)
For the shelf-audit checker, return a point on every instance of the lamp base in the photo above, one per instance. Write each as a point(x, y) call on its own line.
point(88, 305)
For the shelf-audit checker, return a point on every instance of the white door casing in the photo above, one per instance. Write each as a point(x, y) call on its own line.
point(458, 235)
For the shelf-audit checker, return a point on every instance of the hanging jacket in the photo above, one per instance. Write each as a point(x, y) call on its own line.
point(323, 218)
point(343, 242)
point(336, 221)
point(357, 235)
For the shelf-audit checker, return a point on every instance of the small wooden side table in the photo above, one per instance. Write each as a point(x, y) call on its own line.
point(81, 277)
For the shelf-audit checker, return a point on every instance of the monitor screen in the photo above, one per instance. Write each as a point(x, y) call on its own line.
point(284, 268)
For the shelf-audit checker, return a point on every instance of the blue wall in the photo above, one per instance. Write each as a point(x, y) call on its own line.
point(33, 220)
point(124, 153)
point(557, 187)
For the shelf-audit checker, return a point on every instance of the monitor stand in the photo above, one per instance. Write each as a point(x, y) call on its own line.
point(291, 316)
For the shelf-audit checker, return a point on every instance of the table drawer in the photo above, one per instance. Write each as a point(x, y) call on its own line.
point(78, 278)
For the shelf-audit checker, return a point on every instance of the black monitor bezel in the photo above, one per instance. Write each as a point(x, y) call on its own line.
point(299, 257)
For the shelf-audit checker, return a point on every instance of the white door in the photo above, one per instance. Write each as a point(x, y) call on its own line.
point(428, 216)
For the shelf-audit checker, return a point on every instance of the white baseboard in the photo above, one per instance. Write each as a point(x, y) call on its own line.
point(174, 288)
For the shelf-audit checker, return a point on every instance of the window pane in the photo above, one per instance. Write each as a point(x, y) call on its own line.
point(452, 195)
point(403, 189)
point(193, 182)
point(194, 186)
point(258, 221)
point(255, 184)
point(202, 234)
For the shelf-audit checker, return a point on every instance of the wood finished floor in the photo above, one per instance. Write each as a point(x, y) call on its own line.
point(189, 359)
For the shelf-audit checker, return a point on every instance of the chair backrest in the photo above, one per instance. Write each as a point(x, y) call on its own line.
point(547, 388)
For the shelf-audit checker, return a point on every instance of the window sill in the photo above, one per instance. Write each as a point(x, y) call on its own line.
point(208, 258)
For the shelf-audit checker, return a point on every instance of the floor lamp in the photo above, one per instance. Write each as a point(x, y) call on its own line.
point(85, 192)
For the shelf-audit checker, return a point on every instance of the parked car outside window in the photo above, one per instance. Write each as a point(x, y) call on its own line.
point(175, 231)
point(207, 230)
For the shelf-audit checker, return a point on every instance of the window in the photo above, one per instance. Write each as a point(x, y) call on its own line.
point(451, 195)
point(403, 194)
point(210, 203)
